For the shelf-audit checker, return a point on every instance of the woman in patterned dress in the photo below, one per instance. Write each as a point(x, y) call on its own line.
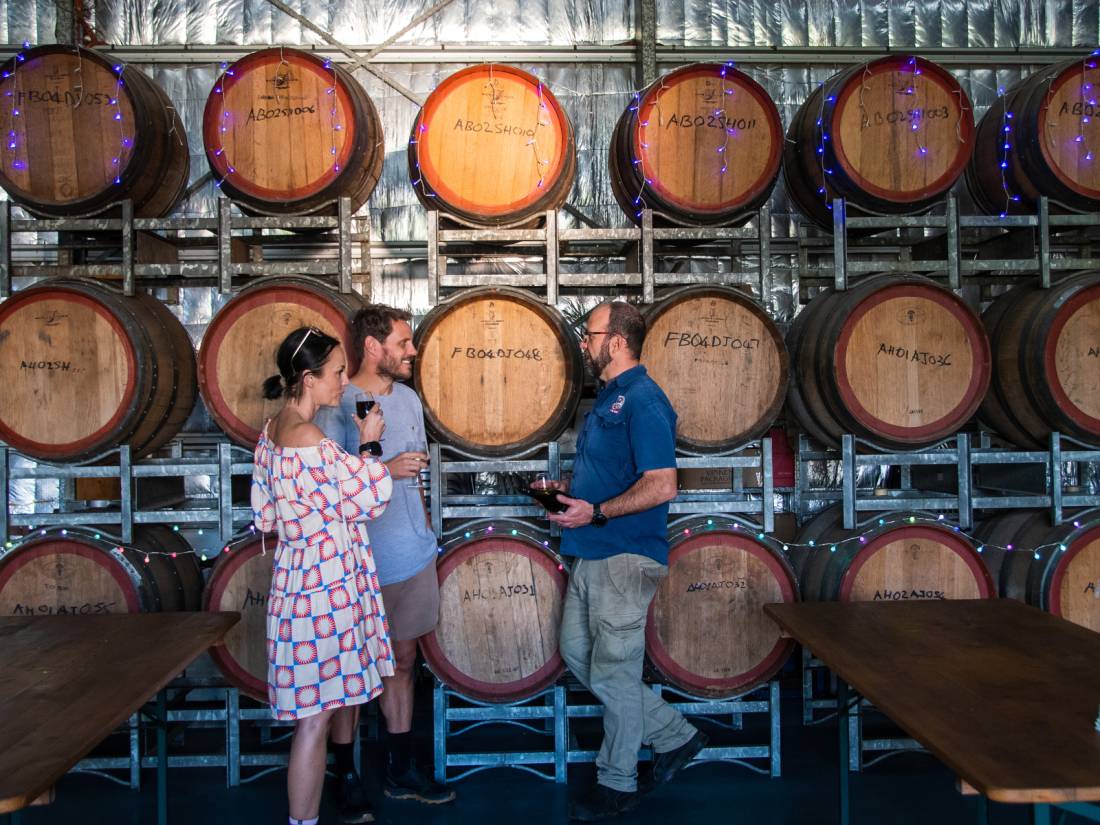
point(327, 641)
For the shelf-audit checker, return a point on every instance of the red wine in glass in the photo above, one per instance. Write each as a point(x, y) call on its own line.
point(546, 495)
point(363, 406)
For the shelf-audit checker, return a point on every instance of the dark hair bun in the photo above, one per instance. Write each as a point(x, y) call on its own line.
point(274, 387)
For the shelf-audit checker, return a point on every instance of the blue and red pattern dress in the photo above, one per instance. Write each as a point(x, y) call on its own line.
point(327, 639)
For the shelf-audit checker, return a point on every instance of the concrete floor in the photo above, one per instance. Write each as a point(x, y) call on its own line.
point(907, 789)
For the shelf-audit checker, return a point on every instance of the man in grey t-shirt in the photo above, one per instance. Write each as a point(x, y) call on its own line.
point(401, 538)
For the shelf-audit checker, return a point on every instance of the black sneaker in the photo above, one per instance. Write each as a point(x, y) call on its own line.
point(412, 784)
point(602, 802)
point(352, 804)
point(665, 765)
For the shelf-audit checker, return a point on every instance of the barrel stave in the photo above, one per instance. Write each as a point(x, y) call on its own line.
point(501, 599)
point(92, 132)
point(715, 349)
point(492, 147)
point(238, 349)
point(719, 579)
point(498, 371)
point(701, 147)
point(854, 138)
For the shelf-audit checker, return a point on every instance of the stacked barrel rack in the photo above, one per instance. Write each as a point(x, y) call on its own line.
point(954, 248)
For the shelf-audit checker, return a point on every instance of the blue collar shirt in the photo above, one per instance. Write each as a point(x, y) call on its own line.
point(631, 429)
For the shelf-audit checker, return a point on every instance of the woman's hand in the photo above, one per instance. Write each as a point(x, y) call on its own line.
point(372, 426)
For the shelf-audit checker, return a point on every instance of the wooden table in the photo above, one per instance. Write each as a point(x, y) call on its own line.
point(70, 681)
point(1002, 693)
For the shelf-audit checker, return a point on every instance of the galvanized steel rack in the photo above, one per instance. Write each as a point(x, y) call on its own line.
point(454, 508)
point(547, 715)
point(967, 487)
point(638, 245)
point(960, 246)
point(221, 463)
point(216, 244)
point(222, 711)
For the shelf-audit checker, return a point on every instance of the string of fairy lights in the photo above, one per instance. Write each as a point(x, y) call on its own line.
point(228, 76)
point(635, 108)
point(918, 116)
point(653, 102)
point(11, 143)
point(728, 130)
point(13, 93)
point(1086, 103)
point(515, 529)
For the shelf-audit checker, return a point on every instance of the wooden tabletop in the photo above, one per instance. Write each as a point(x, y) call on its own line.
point(1002, 693)
point(69, 681)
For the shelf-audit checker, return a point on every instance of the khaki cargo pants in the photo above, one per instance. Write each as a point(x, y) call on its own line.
point(603, 643)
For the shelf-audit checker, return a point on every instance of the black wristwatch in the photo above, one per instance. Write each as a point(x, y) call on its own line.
point(598, 518)
point(374, 448)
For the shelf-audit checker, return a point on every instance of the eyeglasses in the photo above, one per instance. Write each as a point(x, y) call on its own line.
point(587, 335)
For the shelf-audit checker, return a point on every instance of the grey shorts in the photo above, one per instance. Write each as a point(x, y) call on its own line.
point(412, 605)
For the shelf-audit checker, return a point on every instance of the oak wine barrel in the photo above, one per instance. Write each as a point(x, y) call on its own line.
point(1046, 359)
point(287, 132)
point(74, 573)
point(1041, 137)
point(238, 349)
point(701, 146)
point(706, 632)
point(241, 581)
point(501, 598)
point(1038, 571)
point(85, 131)
point(92, 369)
point(492, 147)
point(722, 362)
point(890, 137)
point(891, 561)
point(895, 359)
point(498, 371)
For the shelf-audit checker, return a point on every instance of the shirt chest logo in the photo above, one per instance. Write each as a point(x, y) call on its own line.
point(617, 407)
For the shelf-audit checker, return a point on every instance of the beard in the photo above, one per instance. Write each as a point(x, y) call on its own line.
point(597, 363)
point(394, 368)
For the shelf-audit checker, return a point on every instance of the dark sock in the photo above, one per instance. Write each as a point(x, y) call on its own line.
point(345, 758)
point(400, 752)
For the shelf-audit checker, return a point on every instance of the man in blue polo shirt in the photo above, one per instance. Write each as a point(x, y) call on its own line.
point(615, 525)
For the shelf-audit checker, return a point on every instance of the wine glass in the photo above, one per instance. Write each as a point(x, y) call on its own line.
point(545, 491)
point(416, 444)
point(363, 403)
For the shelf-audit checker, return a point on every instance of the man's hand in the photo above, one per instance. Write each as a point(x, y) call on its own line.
point(577, 514)
point(407, 465)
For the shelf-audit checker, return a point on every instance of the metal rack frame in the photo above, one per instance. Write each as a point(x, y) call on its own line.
point(229, 715)
point(952, 264)
point(454, 508)
point(956, 451)
point(553, 709)
point(228, 461)
point(220, 231)
point(554, 242)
